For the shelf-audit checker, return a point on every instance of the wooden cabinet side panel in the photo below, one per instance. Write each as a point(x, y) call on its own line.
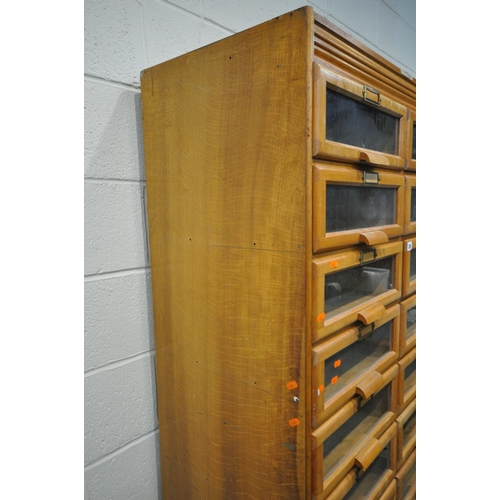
point(226, 133)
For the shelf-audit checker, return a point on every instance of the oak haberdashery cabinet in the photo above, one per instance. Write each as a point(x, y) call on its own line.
point(281, 200)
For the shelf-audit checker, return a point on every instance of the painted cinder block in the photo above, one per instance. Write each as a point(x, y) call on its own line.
point(120, 406)
point(113, 132)
point(115, 231)
point(170, 32)
point(193, 6)
point(113, 40)
point(396, 37)
point(118, 319)
point(238, 15)
point(133, 474)
point(406, 9)
point(359, 15)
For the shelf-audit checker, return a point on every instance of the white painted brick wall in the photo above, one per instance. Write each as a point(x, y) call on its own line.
point(118, 319)
point(141, 480)
point(121, 39)
point(183, 29)
point(120, 405)
point(113, 40)
point(114, 227)
point(113, 132)
point(238, 15)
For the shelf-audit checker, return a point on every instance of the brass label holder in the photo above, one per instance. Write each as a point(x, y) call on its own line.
point(371, 95)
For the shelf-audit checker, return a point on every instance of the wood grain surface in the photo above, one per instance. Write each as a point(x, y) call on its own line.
point(226, 129)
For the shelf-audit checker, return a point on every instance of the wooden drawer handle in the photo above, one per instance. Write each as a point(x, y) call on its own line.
point(370, 385)
point(371, 313)
point(373, 238)
point(368, 454)
point(373, 158)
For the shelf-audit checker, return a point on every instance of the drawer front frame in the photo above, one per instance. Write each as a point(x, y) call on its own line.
point(412, 162)
point(386, 486)
point(322, 486)
point(409, 225)
point(407, 344)
point(322, 409)
point(403, 471)
point(409, 286)
point(390, 492)
point(323, 175)
point(323, 148)
point(408, 395)
point(405, 448)
point(372, 308)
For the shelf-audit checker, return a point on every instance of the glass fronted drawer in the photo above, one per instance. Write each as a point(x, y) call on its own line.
point(352, 206)
point(407, 431)
point(410, 221)
point(407, 379)
point(406, 478)
point(409, 266)
point(412, 141)
point(408, 330)
point(354, 285)
point(343, 363)
point(355, 123)
point(375, 483)
point(354, 435)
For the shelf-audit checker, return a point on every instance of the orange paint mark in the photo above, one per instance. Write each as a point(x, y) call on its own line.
point(292, 385)
point(334, 263)
point(294, 422)
point(321, 388)
point(334, 379)
point(337, 363)
point(321, 317)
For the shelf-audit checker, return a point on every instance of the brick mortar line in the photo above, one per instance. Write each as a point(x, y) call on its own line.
point(97, 180)
point(200, 16)
point(120, 450)
point(115, 274)
point(119, 363)
point(397, 14)
point(112, 83)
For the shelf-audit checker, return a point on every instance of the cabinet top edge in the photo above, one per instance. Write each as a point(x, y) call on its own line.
point(313, 20)
point(324, 23)
point(306, 11)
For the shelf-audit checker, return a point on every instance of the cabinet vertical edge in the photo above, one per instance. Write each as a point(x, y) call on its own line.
point(309, 252)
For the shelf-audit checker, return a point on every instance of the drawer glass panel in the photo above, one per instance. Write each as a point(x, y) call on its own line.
point(350, 287)
point(409, 480)
point(370, 478)
point(349, 434)
point(346, 365)
point(355, 123)
point(409, 428)
point(410, 375)
point(411, 322)
point(413, 264)
point(356, 207)
point(413, 205)
point(414, 142)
